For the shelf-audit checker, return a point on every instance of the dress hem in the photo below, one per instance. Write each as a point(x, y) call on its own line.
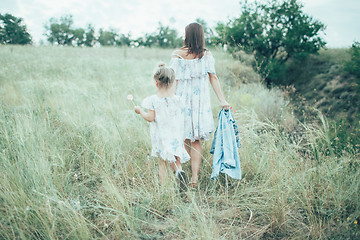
point(182, 159)
point(204, 137)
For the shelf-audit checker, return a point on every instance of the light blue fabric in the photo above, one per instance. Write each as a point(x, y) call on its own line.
point(225, 147)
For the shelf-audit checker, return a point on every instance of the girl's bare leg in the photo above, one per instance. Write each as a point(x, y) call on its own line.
point(196, 153)
point(176, 165)
point(162, 170)
point(180, 175)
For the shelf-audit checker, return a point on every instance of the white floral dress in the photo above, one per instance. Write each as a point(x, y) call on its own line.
point(166, 131)
point(193, 88)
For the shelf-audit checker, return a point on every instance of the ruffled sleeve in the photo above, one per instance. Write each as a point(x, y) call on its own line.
point(175, 65)
point(148, 103)
point(210, 64)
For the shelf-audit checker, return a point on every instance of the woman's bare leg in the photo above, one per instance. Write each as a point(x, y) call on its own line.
point(187, 145)
point(196, 153)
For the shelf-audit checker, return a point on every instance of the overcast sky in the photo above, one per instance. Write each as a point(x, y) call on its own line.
point(142, 16)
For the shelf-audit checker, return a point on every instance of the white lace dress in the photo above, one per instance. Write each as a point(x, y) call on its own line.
point(193, 88)
point(166, 131)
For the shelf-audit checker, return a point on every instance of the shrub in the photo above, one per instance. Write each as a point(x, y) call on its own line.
point(353, 65)
point(274, 32)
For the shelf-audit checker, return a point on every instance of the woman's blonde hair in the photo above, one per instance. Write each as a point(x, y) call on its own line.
point(164, 75)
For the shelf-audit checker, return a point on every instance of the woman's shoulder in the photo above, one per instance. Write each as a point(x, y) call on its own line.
point(182, 53)
point(178, 50)
point(178, 53)
point(207, 52)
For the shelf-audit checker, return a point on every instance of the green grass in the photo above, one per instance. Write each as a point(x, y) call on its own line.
point(322, 81)
point(75, 157)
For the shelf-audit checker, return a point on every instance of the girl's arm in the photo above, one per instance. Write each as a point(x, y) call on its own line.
point(214, 81)
point(148, 116)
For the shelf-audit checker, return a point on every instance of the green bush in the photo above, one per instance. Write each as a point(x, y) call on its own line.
point(353, 65)
point(345, 138)
point(274, 32)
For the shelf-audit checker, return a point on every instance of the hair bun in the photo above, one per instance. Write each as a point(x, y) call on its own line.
point(161, 65)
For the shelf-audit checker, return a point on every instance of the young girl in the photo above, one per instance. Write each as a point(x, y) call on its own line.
point(194, 70)
point(165, 115)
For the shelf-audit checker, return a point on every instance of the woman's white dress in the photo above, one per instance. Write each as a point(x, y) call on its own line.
point(193, 89)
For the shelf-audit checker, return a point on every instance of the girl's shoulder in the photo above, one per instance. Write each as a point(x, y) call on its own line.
point(150, 98)
point(173, 100)
point(149, 102)
point(155, 99)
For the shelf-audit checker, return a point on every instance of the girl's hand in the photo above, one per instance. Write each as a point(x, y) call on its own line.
point(137, 109)
point(225, 104)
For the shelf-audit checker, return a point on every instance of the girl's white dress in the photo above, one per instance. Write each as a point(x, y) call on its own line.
point(193, 88)
point(166, 131)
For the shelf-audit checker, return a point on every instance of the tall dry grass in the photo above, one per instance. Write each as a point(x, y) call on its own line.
point(75, 158)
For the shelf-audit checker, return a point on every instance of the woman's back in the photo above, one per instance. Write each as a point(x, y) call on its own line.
point(192, 74)
point(187, 67)
point(184, 54)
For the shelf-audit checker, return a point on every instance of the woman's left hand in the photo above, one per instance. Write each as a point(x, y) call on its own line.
point(225, 104)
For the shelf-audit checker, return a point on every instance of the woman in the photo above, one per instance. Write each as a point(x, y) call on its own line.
point(194, 69)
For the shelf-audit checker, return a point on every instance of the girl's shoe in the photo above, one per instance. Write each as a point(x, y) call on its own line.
point(183, 181)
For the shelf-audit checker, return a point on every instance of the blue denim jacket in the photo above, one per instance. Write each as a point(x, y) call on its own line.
point(225, 147)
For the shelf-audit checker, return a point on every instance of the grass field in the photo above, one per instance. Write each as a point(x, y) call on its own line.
point(75, 159)
point(323, 81)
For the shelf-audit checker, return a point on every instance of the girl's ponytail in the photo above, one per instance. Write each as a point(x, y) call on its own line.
point(164, 75)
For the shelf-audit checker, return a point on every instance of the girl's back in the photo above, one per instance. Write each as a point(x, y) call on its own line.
point(167, 133)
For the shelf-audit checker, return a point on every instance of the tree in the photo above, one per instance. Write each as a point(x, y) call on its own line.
point(78, 36)
point(13, 30)
point(107, 38)
point(124, 40)
point(139, 42)
point(59, 31)
point(274, 32)
point(90, 38)
point(164, 37)
point(167, 37)
point(220, 30)
point(209, 33)
point(353, 65)
point(150, 40)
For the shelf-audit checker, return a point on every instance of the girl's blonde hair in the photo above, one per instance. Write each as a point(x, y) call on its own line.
point(164, 75)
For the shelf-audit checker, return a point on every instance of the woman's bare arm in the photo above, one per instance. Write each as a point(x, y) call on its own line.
point(215, 83)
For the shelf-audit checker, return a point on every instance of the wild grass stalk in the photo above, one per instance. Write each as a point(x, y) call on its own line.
point(76, 159)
